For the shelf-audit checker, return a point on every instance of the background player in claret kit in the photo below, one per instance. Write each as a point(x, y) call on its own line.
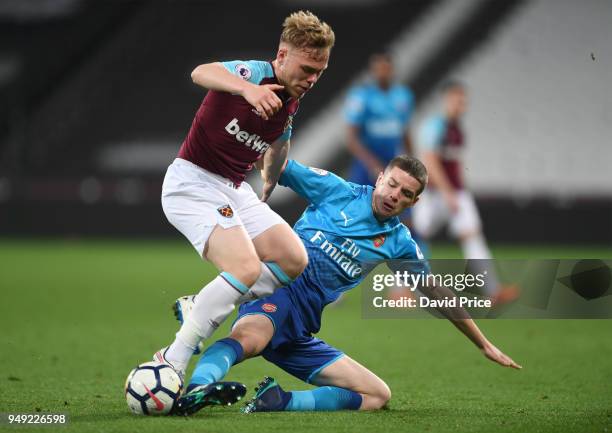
point(341, 253)
point(442, 142)
point(246, 115)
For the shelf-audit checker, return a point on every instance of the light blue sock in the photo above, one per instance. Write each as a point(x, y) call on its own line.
point(324, 398)
point(217, 361)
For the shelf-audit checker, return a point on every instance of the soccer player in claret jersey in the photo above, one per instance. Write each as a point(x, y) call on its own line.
point(442, 140)
point(347, 230)
point(245, 116)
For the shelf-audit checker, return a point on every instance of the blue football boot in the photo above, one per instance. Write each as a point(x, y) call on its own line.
point(218, 393)
point(269, 397)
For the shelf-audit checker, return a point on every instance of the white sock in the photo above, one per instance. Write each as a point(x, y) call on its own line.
point(475, 247)
point(265, 285)
point(212, 305)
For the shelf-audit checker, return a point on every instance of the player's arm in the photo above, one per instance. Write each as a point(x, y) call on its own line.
point(408, 147)
point(354, 116)
point(274, 160)
point(430, 141)
point(414, 262)
point(461, 319)
point(359, 151)
point(313, 184)
point(215, 76)
point(407, 115)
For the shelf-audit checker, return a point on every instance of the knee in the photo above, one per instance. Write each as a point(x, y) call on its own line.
point(295, 262)
point(378, 397)
point(247, 271)
point(252, 344)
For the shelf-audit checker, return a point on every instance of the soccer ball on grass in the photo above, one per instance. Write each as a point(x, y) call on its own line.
point(152, 388)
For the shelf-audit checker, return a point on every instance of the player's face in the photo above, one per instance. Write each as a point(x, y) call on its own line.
point(456, 102)
point(395, 191)
point(299, 68)
point(382, 71)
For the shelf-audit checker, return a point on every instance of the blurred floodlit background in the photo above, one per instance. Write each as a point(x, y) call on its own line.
point(96, 99)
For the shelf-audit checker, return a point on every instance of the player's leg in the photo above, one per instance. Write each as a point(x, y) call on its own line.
point(253, 330)
point(346, 373)
point(232, 252)
point(282, 254)
point(407, 218)
point(250, 335)
point(343, 383)
point(197, 203)
point(467, 227)
point(429, 214)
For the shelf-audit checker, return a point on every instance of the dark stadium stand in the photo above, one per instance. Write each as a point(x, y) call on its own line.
point(117, 72)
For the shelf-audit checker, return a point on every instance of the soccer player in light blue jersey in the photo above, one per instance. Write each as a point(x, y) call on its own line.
point(377, 114)
point(346, 229)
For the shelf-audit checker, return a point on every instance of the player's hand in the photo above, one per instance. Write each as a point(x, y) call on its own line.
point(496, 355)
point(263, 98)
point(267, 189)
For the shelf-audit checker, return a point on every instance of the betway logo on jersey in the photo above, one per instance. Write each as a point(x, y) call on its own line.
point(344, 255)
point(252, 141)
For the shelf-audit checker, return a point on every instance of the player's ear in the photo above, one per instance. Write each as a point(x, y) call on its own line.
point(281, 54)
point(416, 199)
point(380, 178)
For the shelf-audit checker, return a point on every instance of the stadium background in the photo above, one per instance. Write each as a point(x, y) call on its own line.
point(96, 99)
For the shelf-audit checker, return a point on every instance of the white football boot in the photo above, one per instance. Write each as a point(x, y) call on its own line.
point(160, 356)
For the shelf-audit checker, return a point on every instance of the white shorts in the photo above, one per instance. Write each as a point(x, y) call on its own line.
point(196, 200)
point(431, 213)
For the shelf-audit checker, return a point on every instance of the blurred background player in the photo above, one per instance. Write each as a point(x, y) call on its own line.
point(441, 140)
point(245, 116)
point(280, 327)
point(377, 114)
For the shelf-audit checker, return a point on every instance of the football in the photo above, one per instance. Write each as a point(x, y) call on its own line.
point(152, 388)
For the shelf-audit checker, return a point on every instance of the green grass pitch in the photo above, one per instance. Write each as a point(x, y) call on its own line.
point(76, 316)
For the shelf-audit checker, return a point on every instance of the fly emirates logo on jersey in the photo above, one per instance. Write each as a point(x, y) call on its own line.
point(344, 255)
point(252, 141)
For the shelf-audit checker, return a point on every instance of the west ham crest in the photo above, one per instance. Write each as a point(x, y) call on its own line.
point(226, 211)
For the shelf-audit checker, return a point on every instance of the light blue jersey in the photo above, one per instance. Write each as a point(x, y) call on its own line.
point(382, 117)
point(343, 238)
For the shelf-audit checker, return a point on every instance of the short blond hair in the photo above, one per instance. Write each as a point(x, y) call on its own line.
point(303, 29)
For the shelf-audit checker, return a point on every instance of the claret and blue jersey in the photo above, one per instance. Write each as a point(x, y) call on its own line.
point(228, 135)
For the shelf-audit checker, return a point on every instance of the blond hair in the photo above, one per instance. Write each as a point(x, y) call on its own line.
point(303, 29)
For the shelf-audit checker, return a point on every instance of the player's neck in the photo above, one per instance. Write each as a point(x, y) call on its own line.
point(452, 117)
point(378, 217)
point(384, 85)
